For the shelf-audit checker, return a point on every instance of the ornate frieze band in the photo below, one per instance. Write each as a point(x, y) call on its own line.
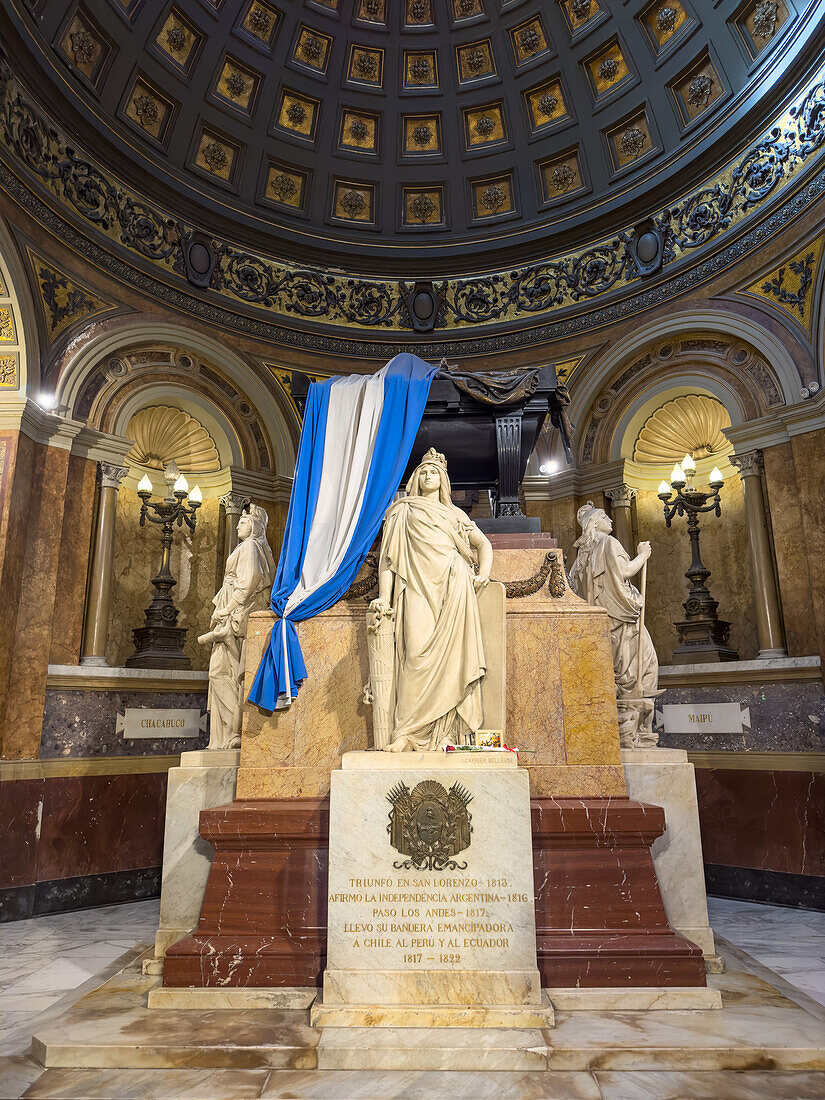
point(529, 293)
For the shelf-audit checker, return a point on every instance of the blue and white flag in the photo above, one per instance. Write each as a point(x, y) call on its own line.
point(356, 440)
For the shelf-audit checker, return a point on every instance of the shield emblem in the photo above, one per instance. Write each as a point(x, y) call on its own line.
point(429, 825)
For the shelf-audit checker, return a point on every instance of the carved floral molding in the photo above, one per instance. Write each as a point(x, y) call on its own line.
point(293, 294)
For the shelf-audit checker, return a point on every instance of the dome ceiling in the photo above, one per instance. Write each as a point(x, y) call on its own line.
point(389, 129)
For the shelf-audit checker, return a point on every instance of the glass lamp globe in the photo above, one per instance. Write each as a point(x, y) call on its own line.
point(677, 476)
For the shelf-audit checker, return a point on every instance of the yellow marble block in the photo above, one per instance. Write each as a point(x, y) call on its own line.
point(329, 716)
point(560, 696)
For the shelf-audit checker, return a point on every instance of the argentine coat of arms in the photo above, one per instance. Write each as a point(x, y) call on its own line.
point(430, 825)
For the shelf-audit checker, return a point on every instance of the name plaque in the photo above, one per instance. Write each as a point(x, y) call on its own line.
point(143, 722)
point(429, 871)
point(682, 718)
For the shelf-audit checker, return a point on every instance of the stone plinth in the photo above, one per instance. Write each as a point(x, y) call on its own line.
point(263, 919)
point(560, 695)
point(434, 908)
point(203, 780)
point(665, 778)
point(599, 916)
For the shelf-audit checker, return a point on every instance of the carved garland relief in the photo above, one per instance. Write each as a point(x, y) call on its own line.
point(323, 298)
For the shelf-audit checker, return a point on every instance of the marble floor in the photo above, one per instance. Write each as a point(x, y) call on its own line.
point(791, 942)
point(777, 967)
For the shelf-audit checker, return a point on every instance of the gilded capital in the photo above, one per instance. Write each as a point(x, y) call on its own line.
point(749, 464)
point(621, 496)
point(234, 503)
point(110, 475)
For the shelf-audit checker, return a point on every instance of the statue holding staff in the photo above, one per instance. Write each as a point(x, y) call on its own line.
point(424, 627)
point(247, 582)
point(601, 575)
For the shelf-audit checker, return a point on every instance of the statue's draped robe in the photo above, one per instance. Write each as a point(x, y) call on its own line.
point(439, 654)
point(597, 576)
point(250, 571)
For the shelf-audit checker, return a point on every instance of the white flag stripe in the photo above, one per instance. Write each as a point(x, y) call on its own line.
point(355, 406)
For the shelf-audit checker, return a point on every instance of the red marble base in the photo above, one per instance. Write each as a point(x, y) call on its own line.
point(599, 913)
point(264, 915)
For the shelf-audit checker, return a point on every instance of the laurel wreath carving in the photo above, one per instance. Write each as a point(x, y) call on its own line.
point(552, 567)
point(358, 589)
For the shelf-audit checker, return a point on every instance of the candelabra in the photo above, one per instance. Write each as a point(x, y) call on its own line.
point(703, 636)
point(159, 642)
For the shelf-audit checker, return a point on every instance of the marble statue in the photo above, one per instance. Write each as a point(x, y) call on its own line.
point(247, 583)
point(424, 630)
point(601, 575)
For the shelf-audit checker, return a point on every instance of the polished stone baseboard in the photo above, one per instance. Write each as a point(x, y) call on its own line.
point(209, 1000)
point(432, 1016)
point(16, 903)
point(771, 887)
point(82, 892)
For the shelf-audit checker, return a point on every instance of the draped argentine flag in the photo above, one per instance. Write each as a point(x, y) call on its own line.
point(356, 440)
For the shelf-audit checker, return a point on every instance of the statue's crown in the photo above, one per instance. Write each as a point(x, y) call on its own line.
point(435, 457)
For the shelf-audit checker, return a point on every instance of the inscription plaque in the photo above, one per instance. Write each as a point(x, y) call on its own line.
point(137, 722)
point(682, 718)
point(430, 928)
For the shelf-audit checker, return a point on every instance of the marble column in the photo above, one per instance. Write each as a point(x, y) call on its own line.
point(233, 504)
point(766, 596)
point(621, 497)
point(96, 624)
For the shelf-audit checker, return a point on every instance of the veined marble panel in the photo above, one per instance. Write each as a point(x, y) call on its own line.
point(664, 778)
point(785, 717)
point(462, 933)
point(84, 723)
point(186, 856)
point(561, 705)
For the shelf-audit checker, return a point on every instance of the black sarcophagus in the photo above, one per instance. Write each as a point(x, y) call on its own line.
point(486, 424)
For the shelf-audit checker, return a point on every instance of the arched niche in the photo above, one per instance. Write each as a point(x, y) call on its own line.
point(19, 344)
point(126, 365)
point(705, 323)
point(734, 372)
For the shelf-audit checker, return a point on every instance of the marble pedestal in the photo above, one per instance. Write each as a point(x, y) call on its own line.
point(599, 915)
point(204, 779)
point(665, 778)
point(431, 921)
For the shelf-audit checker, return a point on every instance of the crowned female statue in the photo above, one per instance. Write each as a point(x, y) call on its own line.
point(601, 575)
point(247, 582)
point(426, 650)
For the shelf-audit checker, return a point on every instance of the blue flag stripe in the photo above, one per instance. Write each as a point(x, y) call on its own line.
point(406, 388)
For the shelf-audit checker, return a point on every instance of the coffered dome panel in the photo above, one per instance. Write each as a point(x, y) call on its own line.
point(308, 128)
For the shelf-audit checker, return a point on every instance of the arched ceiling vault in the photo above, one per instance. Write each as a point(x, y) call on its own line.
point(399, 127)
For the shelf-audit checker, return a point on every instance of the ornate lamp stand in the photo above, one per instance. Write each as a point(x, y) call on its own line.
point(159, 642)
point(703, 636)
